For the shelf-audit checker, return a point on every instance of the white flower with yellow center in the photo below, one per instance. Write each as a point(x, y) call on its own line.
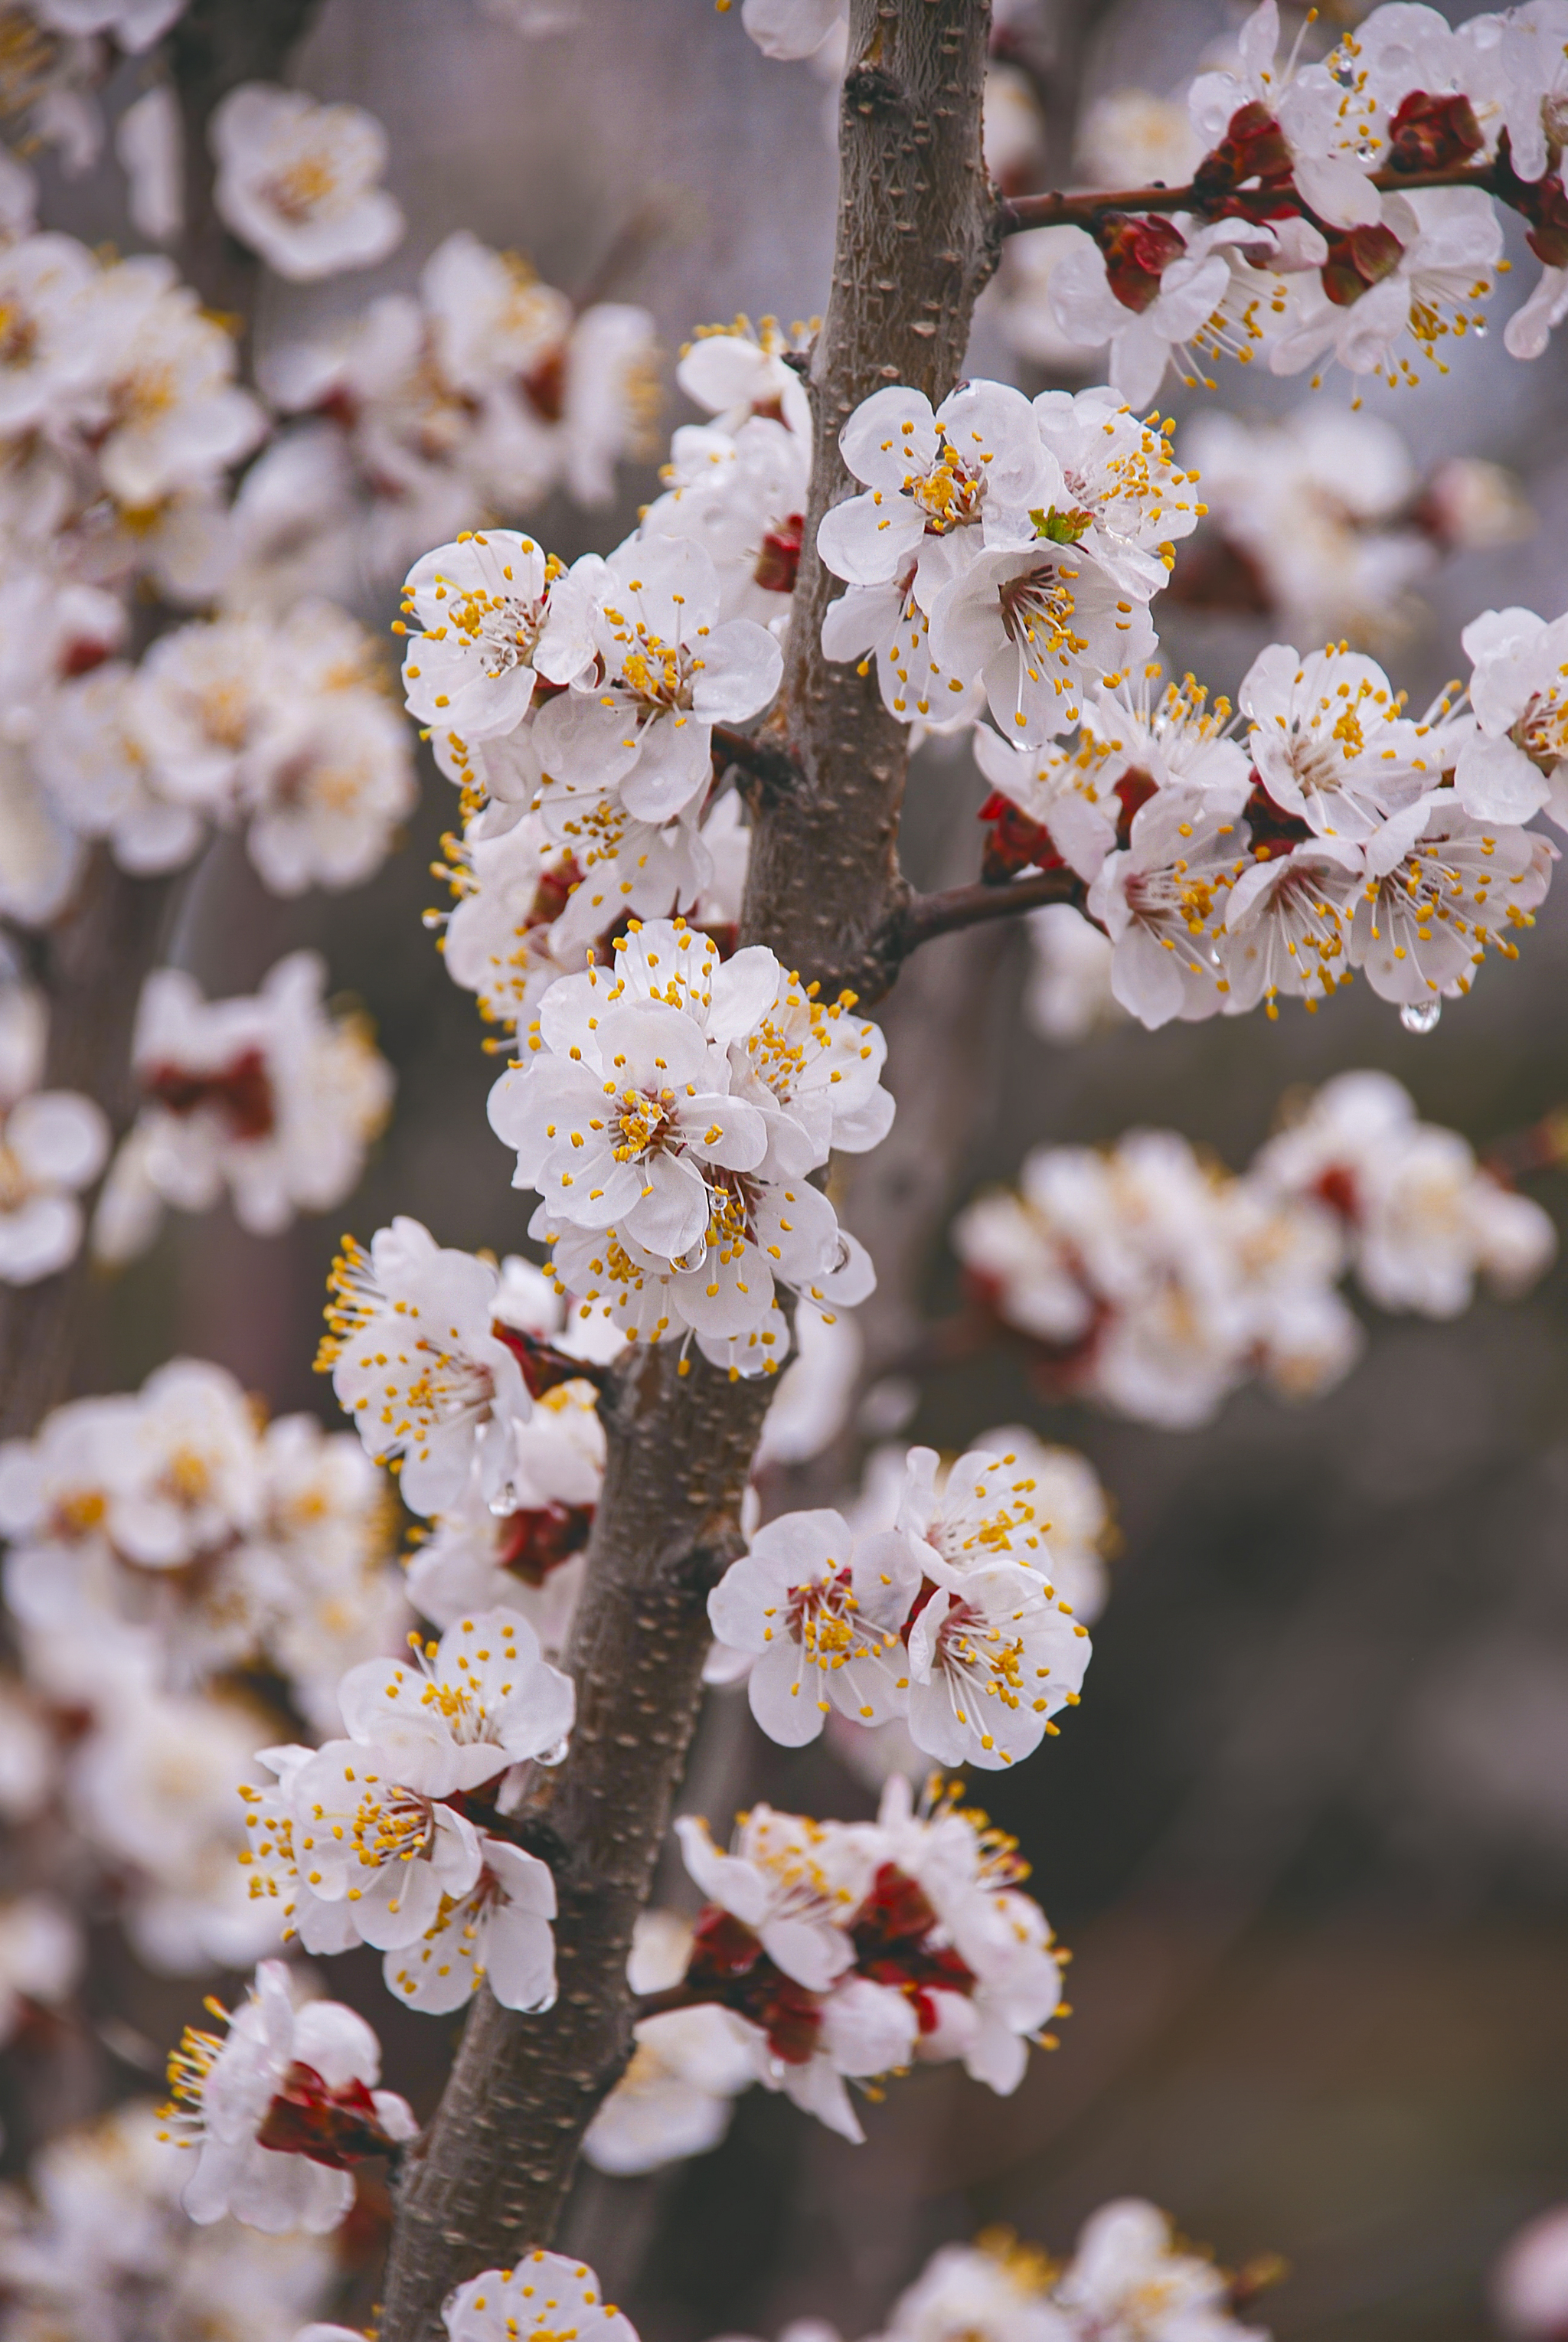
point(665, 670)
point(477, 1702)
point(1518, 691)
point(822, 1613)
point(418, 1363)
point(545, 2298)
point(297, 181)
point(481, 605)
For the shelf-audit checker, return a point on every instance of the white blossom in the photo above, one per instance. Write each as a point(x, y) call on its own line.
point(281, 2109)
point(298, 182)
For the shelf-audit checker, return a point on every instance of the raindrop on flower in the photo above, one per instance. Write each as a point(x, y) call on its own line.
point(1421, 1015)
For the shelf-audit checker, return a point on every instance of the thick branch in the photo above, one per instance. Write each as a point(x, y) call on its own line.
point(916, 241)
point(772, 769)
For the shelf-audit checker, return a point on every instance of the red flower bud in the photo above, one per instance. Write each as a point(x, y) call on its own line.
point(1430, 133)
point(1358, 260)
point(1137, 250)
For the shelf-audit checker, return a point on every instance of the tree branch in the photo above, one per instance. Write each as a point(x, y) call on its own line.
point(915, 240)
point(925, 916)
point(764, 761)
point(1017, 215)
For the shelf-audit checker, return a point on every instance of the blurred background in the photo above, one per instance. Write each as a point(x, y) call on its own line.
point(1308, 1834)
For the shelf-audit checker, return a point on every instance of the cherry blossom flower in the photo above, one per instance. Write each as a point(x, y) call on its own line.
point(281, 2109)
point(44, 363)
point(1011, 1498)
point(1034, 625)
point(1160, 900)
point(102, 2243)
point(788, 29)
point(528, 1557)
point(994, 2290)
point(498, 1933)
point(480, 1700)
point(743, 500)
point(996, 1980)
point(151, 1788)
point(269, 1097)
point(1129, 2279)
point(1518, 691)
point(94, 760)
point(624, 1117)
point(52, 1144)
point(1302, 103)
point(545, 2294)
point(1422, 1218)
point(976, 464)
point(343, 1852)
point(822, 1612)
point(163, 398)
point(993, 1655)
point(1332, 745)
point(482, 606)
point(41, 1958)
point(417, 1362)
point(297, 181)
point(740, 372)
point(1423, 926)
point(677, 2096)
point(1181, 279)
point(1421, 271)
point(663, 671)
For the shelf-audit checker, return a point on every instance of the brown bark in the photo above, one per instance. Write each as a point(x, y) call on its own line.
point(915, 242)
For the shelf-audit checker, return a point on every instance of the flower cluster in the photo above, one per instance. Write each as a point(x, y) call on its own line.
point(1005, 553)
point(1129, 2280)
point(119, 418)
point(1311, 230)
point(164, 1538)
point(52, 1145)
point(1319, 525)
point(101, 2246)
point(482, 392)
point(845, 1951)
point(1149, 1280)
point(671, 1112)
point(270, 1098)
point(523, 1545)
point(577, 709)
point(951, 1620)
point(372, 1838)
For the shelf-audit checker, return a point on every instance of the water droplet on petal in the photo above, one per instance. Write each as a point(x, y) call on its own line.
point(505, 1501)
point(1421, 1015)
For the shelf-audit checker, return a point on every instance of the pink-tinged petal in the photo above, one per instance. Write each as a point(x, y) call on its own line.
point(1495, 781)
point(860, 621)
point(519, 1955)
point(670, 1214)
point(674, 766)
point(742, 667)
point(738, 1886)
point(890, 435)
point(813, 1951)
point(868, 540)
point(784, 1695)
point(723, 1130)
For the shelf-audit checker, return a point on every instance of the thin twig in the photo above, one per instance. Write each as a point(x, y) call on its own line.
point(759, 760)
point(925, 916)
point(1017, 214)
